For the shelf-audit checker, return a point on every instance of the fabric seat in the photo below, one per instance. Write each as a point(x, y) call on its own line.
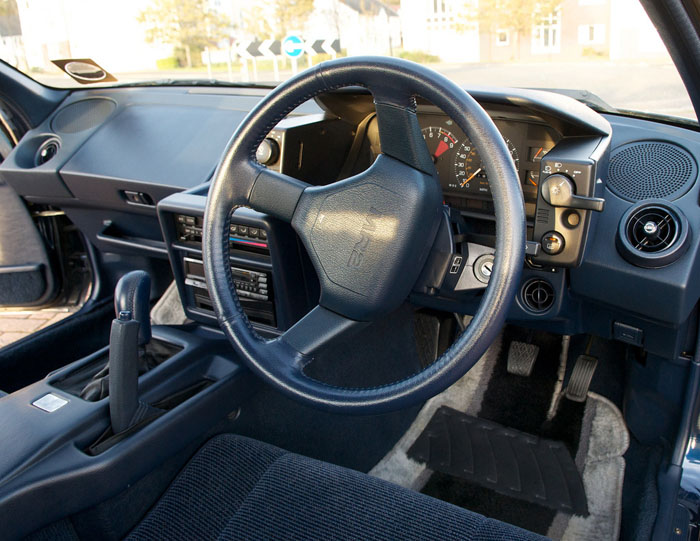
point(238, 488)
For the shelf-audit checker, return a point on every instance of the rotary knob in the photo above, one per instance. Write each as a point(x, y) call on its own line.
point(268, 152)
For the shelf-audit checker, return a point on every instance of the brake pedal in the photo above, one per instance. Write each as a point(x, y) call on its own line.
point(521, 358)
point(580, 380)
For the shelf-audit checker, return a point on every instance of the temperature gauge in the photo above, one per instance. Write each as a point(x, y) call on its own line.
point(537, 153)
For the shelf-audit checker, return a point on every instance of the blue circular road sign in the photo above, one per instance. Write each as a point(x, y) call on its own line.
point(293, 46)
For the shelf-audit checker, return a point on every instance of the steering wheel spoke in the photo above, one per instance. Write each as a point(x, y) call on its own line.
point(317, 329)
point(400, 135)
point(276, 194)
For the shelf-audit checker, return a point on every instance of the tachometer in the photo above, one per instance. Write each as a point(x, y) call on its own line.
point(440, 142)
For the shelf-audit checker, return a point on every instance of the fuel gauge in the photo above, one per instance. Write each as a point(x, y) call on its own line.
point(532, 178)
point(532, 181)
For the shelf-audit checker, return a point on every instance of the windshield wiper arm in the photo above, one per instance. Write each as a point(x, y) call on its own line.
point(196, 82)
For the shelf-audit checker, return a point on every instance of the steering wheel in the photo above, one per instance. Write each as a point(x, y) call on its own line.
point(368, 236)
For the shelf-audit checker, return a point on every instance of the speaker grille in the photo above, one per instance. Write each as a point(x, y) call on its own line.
point(651, 170)
point(82, 115)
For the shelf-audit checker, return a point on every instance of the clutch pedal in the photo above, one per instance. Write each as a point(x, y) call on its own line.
point(580, 380)
point(521, 358)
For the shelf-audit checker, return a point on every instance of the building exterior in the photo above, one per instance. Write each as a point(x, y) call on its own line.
point(576, 29)
point(442, 28)
point(362, 26)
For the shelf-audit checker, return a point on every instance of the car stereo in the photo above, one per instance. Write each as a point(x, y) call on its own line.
point(253, 284)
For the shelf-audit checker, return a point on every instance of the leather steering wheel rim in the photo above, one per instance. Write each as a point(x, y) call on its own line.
point(403, 179)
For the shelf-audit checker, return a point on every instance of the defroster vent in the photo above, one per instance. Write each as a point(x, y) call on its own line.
point(652, 234)
point(537, 295)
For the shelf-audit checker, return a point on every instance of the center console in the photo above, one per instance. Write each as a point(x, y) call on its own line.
point(259, 248)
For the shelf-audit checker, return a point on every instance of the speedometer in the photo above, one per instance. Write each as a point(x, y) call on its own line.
point(469, 172)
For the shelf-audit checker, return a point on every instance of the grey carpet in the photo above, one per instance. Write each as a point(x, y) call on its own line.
point(604, 440)
point(168, 310)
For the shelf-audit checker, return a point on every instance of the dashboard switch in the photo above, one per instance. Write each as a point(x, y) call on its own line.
point(532, 248)
point(552, 243)
point(558, 191)
point(268, 152)
point(628, 334)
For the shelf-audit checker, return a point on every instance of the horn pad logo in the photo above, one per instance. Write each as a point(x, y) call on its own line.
point(369, 227)
point(356, 234)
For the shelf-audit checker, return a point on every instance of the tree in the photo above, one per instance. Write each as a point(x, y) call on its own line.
point(189, 24)
point(290, 16)
point(518, 16)
point(9, 18)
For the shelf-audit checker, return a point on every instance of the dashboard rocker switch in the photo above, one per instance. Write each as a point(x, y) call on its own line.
point(552, 243)
point(456, 264)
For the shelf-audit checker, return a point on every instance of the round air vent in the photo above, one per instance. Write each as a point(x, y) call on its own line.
point(651, 169)
point(537, 295)
point(652, 234)
point(82, 115)
point(46, 151)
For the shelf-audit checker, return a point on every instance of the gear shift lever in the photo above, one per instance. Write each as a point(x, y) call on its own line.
point(133, 294)
point(131, 329)
point(123, 371)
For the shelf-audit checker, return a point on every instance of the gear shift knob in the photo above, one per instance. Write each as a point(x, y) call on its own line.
point(133, 294)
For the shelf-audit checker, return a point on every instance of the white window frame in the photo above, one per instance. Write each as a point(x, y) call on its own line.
point(500, 43)
point(598, 34)
point(439, 14)
point(547, 29)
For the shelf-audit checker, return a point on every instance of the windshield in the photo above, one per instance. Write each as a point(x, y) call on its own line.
point(605, 47)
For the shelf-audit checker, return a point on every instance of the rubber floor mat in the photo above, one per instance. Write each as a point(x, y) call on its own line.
point(507, 461)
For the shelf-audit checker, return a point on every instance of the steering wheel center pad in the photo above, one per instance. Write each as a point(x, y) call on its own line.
point(368, 236)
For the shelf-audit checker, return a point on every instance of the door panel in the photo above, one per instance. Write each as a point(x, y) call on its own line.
point(26, 278)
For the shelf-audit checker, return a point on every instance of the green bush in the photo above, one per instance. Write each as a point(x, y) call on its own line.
point(419, 56)
point(594, 52)
point(167, 63)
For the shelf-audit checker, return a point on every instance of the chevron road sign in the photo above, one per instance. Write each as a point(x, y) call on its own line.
point(270, 47)
point(292, 46)
point(327, 46)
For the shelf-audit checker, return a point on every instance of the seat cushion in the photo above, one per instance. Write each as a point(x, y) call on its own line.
point(238, 488)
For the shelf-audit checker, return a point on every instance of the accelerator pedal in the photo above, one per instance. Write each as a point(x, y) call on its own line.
point(521, 358)
point(580, 380)
point(502, 459)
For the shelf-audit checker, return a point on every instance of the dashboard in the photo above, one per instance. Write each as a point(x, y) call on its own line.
point(130, 168)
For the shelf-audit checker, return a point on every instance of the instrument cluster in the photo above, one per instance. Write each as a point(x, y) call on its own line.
point(458, 161)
